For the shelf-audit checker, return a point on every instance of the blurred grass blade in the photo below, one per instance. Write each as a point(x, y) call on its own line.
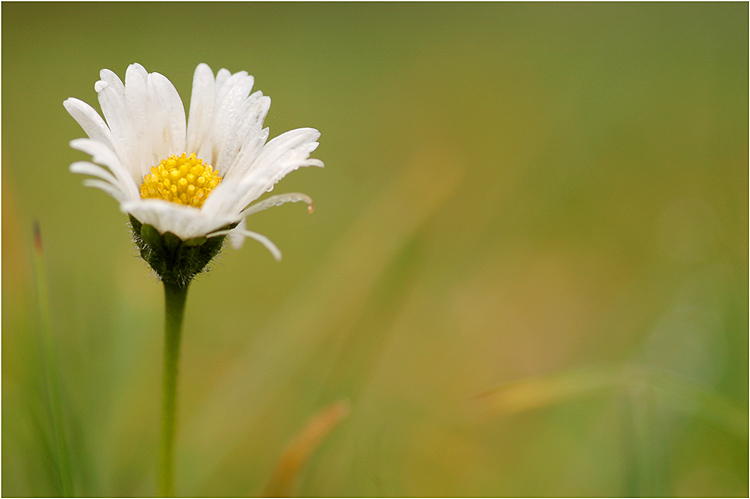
point(678, 393)
point(689, 397)
point(642, 441)
point(60, 453)
point(301, 448)
point(533, 393)
point(645, 390)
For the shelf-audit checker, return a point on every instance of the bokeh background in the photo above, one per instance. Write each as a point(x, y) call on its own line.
point(526, 273)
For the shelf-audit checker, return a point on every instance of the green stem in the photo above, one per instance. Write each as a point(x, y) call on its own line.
point(174, 304)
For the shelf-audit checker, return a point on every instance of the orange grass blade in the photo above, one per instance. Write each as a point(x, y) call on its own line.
point(296, 454)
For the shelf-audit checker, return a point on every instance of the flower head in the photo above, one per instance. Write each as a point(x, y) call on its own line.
point(188, 181)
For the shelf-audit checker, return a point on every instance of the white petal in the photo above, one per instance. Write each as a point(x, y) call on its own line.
point(201, 110)
point(236, 239)
point(252, 235)
point(172, 125)
point(233, 197)
point(112, 101)
point(229, 114)
point(270, 246)
point(103, 155)
point(221, 78)
point(106, 187)
point(245, 121)
point(111, 93)
point(86, 168)
point(291, 197)
point(90, 121)
point(186, 222)
point(249, 137)
point(280, 156)
point(142, 118)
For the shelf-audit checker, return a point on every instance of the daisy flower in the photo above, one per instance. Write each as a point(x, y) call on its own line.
point(187, 183)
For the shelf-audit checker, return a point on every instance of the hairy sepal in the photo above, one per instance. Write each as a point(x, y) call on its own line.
point(175, 261)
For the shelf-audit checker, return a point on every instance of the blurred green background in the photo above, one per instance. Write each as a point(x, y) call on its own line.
point(527, 270)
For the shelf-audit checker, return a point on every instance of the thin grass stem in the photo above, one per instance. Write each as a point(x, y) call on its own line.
point(61, 455)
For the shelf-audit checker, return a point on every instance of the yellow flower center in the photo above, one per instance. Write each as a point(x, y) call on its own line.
point(182, 180)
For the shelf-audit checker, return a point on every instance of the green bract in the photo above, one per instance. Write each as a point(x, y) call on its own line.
point(174, 260)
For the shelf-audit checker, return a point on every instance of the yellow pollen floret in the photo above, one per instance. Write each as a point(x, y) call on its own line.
point(183, 180)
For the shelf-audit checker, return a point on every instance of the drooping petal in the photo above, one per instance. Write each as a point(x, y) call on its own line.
point(236, 239)
point(277, 200)
point(270, 246)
